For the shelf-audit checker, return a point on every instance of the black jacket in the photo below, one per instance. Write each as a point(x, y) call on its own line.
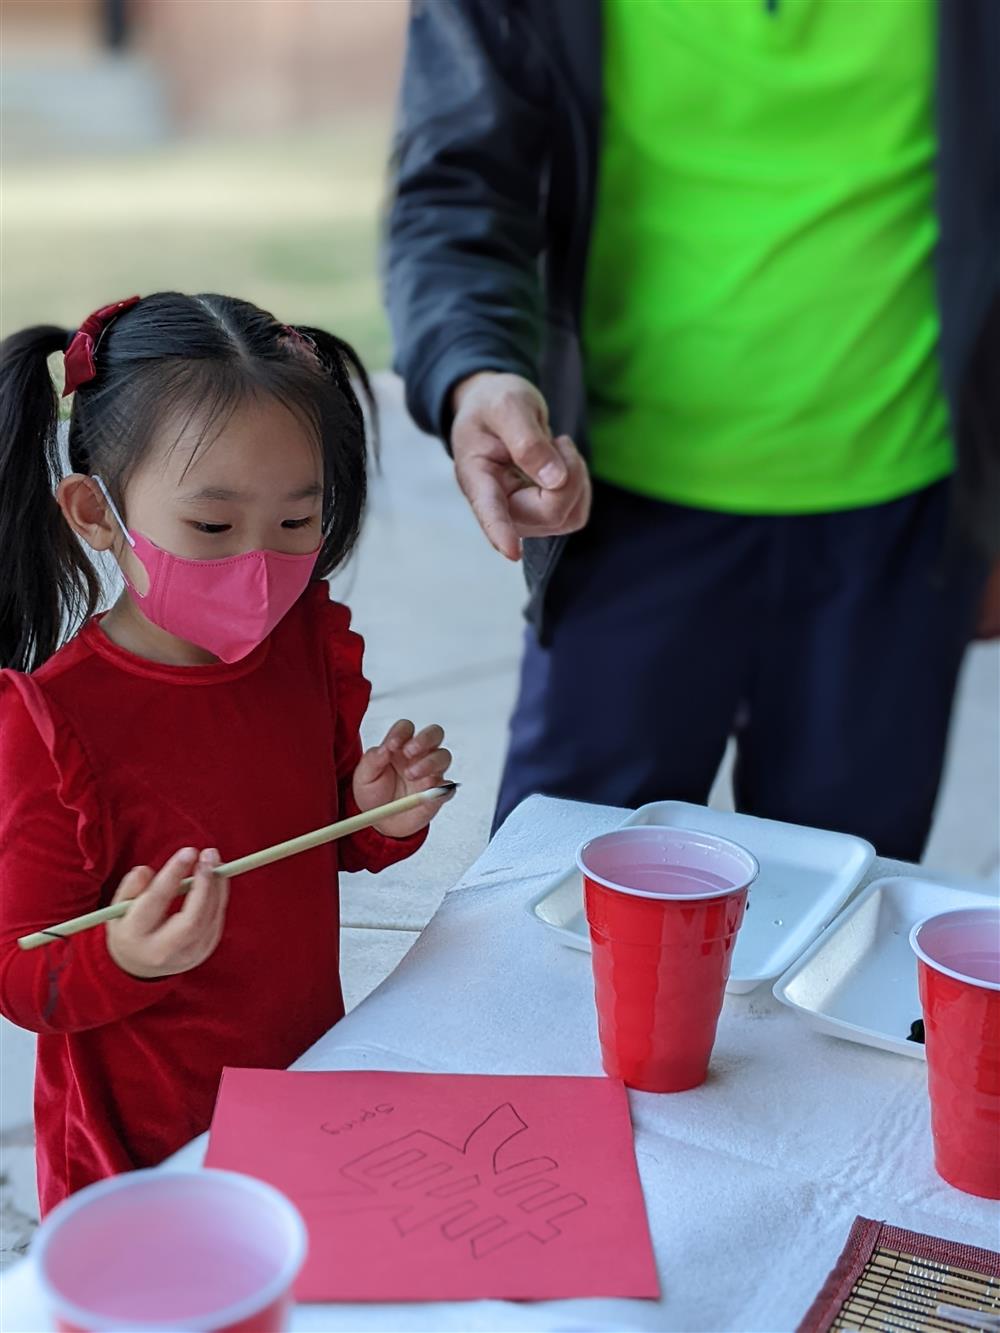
point(487, 233)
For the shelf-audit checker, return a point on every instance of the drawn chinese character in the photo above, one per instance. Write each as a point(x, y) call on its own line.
point(462, 1189)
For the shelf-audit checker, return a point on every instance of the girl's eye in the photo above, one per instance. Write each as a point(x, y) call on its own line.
point(296, 522)
point(212, 527)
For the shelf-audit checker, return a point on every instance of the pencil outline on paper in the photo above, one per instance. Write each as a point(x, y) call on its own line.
point(485, 1223)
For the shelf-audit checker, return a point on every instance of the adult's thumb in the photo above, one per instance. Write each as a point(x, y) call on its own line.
point(530, 445)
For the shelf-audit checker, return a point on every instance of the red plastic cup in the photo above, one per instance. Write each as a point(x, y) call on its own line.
point(959, 973)
point(664, 906)
point(184, 1252)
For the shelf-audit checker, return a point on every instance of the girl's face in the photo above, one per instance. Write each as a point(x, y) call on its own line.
point(256, 485)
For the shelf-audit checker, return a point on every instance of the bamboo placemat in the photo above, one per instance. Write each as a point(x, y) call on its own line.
point(889, 1279)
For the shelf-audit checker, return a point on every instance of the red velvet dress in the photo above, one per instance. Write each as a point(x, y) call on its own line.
point(108, 761)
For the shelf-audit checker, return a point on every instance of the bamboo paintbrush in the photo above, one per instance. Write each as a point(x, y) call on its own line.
point(252, 862)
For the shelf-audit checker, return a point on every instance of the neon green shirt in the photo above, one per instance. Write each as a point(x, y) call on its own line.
point(759, 320)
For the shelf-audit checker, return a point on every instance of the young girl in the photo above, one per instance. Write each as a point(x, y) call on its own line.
point(220, 457)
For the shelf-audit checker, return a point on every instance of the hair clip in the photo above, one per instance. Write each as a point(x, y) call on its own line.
point(301, 341)
point(78, 359)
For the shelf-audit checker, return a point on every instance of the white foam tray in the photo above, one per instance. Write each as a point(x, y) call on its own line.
point(806, 875)
point(859, 979)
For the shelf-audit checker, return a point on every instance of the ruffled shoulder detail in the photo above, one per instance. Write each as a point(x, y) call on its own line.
point(344, 652)
point(31, 723)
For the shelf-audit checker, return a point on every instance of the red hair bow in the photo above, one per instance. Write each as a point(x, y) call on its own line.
point(79, 355)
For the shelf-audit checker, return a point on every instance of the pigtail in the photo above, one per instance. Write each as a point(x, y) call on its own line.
point(344, 367)
point(46, 580)
point(349, 461)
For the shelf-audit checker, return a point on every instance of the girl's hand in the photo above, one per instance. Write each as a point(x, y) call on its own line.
point(152, 940)
point(403, 764)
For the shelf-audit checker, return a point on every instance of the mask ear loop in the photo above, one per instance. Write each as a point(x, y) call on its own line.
point(114, 509)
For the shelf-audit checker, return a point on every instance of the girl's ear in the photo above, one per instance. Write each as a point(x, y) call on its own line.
point(86, 511)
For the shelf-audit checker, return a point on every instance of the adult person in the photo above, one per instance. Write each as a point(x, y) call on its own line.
point(744, 258)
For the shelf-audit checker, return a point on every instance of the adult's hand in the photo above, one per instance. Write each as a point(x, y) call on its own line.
point(519, 481)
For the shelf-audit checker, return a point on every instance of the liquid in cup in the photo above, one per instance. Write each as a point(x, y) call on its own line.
point(958, 964)
point(178, 1252)
point(664, 906)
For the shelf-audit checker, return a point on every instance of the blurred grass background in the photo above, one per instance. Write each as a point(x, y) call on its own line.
point(236, 146)
point(289, 221)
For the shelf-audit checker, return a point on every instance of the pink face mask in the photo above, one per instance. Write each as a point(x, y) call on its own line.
point(225, 606)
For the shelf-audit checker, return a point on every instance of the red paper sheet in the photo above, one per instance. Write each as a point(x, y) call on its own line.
point(421, 1187)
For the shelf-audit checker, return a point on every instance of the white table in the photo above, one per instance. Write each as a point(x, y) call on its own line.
point(751, 1181)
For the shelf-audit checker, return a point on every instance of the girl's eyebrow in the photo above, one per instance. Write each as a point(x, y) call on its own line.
point(212, 493)
point(310, 492)
point(219, 493)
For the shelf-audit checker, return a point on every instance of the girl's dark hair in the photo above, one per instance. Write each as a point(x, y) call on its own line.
point(170, 357)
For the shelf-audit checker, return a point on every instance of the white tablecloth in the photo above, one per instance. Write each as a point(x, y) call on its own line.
point(751, 1181)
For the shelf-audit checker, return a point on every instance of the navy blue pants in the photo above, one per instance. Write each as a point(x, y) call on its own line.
point(828, 645)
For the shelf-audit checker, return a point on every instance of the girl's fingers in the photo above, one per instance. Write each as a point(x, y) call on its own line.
point(201, 932)
point(424, 741)
point(434, 765)
point(206, 922)
point(207, 893)
point(182, 927)
point(203, 906)
point(152, 905)
point(398, 735)
point(134, 883)
point(372, 764)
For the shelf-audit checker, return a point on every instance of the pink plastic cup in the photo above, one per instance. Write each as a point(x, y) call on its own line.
point(959, 973)
point(664, 906)
point(184, 1252)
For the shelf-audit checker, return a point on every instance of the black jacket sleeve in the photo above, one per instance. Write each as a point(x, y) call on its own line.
point(465, 227)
